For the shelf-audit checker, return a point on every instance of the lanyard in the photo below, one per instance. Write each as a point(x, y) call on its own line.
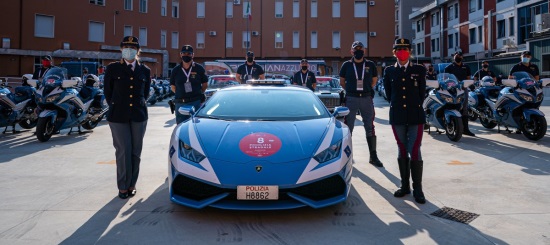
point(355, 69)
point(246, 68)
point(302, 78)
point(187, 74)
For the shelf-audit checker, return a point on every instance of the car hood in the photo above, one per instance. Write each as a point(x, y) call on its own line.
point(245, 141)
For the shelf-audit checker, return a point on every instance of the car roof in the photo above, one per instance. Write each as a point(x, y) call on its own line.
point(263, 87)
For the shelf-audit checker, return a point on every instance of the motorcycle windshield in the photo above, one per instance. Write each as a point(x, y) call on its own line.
point(54, 77)
point(524, 79)
point(447, 81)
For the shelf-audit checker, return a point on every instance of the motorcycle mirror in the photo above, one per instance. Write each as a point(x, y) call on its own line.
point(32, 82)
point(545, 82)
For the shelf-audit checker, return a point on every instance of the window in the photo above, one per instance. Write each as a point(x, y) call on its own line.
point(511, 26)
point(360, 9)
point(450, 12)
point(229, 39)
point(396, 14)
point(545, 62)
point(313, 8)
point(480, 34)
point(200, 40)
point(246, 39)
point(43, 26)
point(128, 31)
point(313, 39)
point(295, 9)
point(163, 8)
point(418, 51)
point(200, 8)
point(433, 45)
point(450, 41)
point(456, 40)
point(162, 39)
point(456, 10)
point(501, 28)
point(98, 2)
point(437, 44)
point(279, 9)
point(96, 32)
point(418, 26)
point(175, 40)
point(6, 42)
point(128, 5)
point(175, 9)
point(278, 39)
point(142, 7)
point(246, 6)
point(335, 39)
point(396, 30)
point(361, 37)
point(434, 19)
point(336, 9)
point(437, 18)
point(473, 5)
point(473, 36)
point(479, 4)
point(296, 39)
point(229, 9)
point(143, 36)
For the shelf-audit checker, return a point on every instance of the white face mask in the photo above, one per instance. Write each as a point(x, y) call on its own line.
point(525, 60)
point(129, 53)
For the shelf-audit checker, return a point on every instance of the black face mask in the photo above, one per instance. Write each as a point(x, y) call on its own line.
point(358, 54)
point(458, 59)
point(250, 59)
point(304, 68)
point(186, 59)
point(431, 69)
point(485, 66)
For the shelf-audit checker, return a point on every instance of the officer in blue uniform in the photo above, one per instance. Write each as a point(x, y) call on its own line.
point(249, 70)
point(358, 76)
point(461, 72)
point(188, 81)
point(484, 71)
point(126, 85)
point(405, 85)
point(305, 77)
point(526, 65)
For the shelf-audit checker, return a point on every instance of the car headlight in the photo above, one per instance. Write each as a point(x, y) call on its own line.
point(540, 97)
point(333, 151)
point(187, 152)
point(52, 98)
point(447, 98)
point(527, 98)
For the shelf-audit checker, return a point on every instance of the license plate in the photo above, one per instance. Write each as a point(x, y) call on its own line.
point(257, 192)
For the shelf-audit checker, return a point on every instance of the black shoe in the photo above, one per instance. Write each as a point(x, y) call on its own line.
point(419, 196)
point(469, 133)
point(131, 193)
point(122, 195)
point(401, 192)
point(376, 162)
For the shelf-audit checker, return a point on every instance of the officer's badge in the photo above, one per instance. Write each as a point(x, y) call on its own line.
point(402, 41)
point(131, 39)
point(259, 168)
point(415, 83)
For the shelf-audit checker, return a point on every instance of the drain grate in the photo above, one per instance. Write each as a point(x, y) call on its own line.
point(455, 215)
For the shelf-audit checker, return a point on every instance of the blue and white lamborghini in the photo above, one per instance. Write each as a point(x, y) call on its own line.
point(261, 147)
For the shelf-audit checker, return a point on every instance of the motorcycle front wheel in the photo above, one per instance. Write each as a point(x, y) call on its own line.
point(454, 129)
point(89, 125)
point(44, 129)
point(535, 129)
point(28, 123)
point(472, 116)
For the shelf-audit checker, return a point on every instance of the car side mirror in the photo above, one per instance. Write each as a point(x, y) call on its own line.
point(187, 110)
point(340, 111)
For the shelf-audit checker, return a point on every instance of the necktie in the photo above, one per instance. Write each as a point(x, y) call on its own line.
point(403, 68)
point(130, 66)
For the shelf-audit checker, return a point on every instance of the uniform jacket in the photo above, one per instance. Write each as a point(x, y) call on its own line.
point(309, 79)
point(40, 72)
point(461, 72)
point(126, 92)
point(406, 91)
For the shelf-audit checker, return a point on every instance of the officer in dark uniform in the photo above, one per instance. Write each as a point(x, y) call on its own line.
point(358, 76)
point(249, 70)
point(405, 85)
point(483, 72)
point(431, 74)
point(526, 65)
point(126, 85)
point(47, 64)
point(304, 77)
point(461, 72)
point(188, 81)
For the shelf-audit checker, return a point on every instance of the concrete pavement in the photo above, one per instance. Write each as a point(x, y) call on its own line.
point(64, 191)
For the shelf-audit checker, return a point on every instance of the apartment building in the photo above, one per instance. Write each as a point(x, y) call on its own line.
point(218, 29)
point(403, 8)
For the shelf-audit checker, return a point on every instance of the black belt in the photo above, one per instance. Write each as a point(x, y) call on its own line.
point(357, 94)
point(188, 99)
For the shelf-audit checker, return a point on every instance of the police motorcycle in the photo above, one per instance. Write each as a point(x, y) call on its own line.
point(517, 106)
point(19, 107)
point(487, 90)
point(443, 103)
point(61, 105)
point(154, 93)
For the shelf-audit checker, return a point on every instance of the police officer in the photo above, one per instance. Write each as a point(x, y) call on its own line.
point(304, 77)
point(126, 86)
point(188, 81)
point(358, 76)
point(405, 85)
point(47, 64)
point(526, 65)
point(484, 71)
point(249, 70)
point(431, 74)
point(461, 72)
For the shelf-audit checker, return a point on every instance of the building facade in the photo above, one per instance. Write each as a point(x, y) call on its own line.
point(218, 29)
point(403, 9)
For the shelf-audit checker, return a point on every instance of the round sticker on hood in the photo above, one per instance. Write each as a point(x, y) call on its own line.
point(260, 144)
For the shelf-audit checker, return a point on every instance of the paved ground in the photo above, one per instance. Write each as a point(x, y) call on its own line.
point(64, 191)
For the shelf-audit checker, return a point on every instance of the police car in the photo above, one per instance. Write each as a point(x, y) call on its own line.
point(263, 145)
point(217, 82)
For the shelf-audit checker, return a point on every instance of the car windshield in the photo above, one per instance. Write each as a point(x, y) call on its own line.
point(220, 82)
point(264, 105)
point(326, 83)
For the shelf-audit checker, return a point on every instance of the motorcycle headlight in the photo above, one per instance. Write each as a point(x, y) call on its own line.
point(527, 98)
point(540, 97)
point(447, 98)
point(52, 98)
point(332, 152)
point(187, 152)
